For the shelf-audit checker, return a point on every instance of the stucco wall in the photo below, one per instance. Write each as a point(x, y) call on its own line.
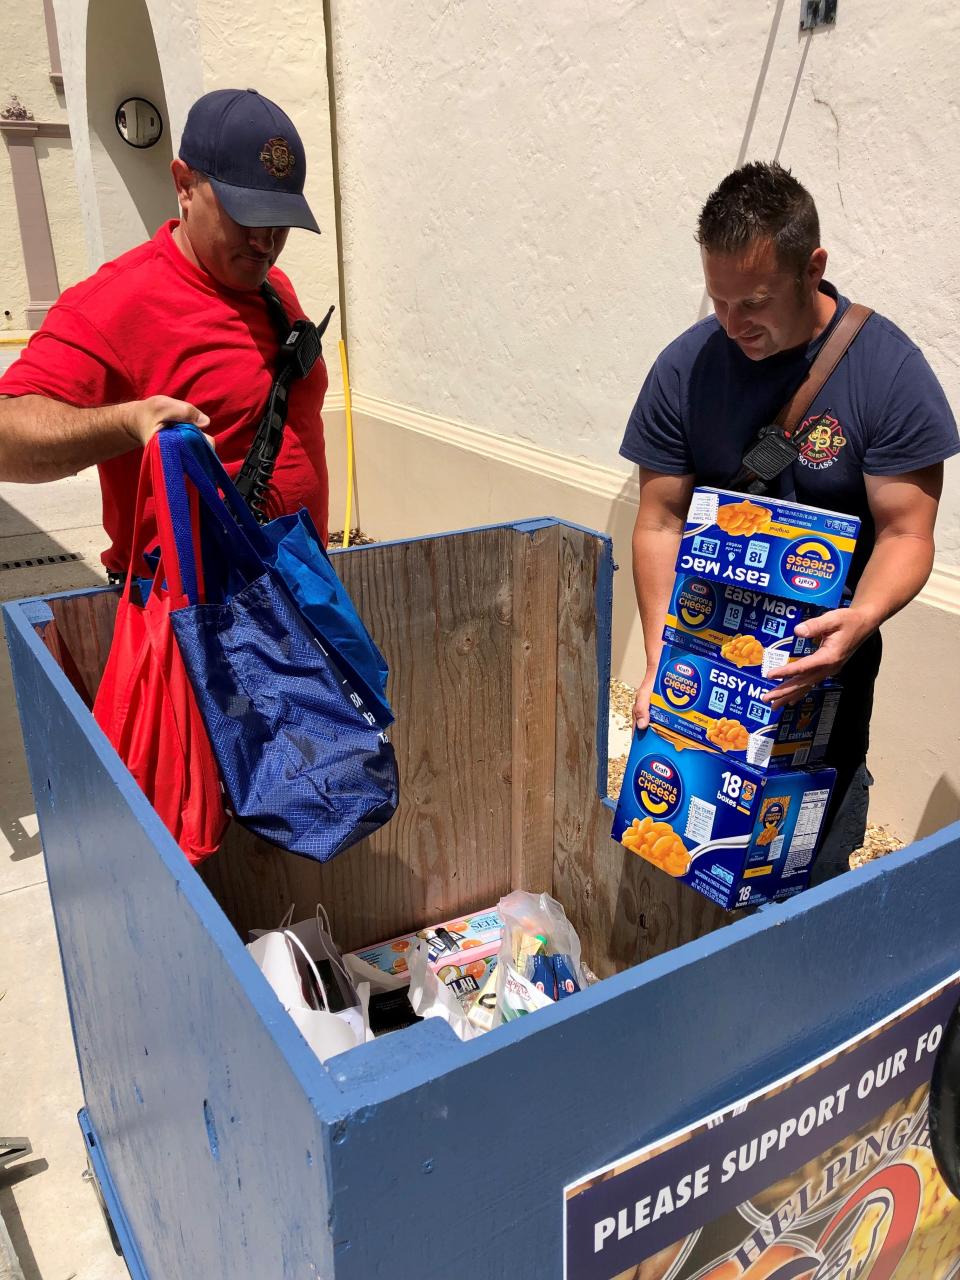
point(133, 188)
point(520, 185)
point(25, 71)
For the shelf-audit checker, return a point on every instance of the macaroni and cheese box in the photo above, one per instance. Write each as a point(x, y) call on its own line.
point(780, 548)
point(742, 626)
point(453, 943)
point(718, 705)
point(736, 835)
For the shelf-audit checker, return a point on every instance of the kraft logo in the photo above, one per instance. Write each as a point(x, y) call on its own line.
point(683, 669)
point(805, 583)
point(699, 589)
point(664, 770)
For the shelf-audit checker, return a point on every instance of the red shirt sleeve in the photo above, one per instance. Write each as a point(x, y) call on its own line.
point(69, 359)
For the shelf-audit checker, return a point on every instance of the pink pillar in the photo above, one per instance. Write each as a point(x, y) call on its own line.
point(38, 257)
point(53, 45)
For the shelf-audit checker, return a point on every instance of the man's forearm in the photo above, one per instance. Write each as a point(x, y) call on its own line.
point(654, 556)
point(896, 571)
point(43, 439)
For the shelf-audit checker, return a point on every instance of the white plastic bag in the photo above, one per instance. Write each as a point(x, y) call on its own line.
point(534, 916)
point(327, 1008)
point(432, 998)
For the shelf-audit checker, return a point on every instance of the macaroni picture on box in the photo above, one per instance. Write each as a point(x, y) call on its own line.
point(739, 625)
point(738, 836)
point(718, 704)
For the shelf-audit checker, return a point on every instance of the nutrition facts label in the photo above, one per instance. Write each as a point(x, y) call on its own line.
point(700, 820)
point(809, 818)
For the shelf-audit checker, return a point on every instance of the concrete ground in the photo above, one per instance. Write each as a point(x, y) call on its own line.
point(51, 1214)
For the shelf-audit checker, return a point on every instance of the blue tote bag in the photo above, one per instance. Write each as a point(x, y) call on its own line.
point(304, 761)
point(292, 546)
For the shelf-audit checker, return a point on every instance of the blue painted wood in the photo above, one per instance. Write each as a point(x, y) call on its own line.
point(425, 1155)
point(203, 1097)
point(471, 1145)
point(112, 1204)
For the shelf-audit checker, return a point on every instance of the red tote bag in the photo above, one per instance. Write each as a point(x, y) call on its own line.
point(145, 704)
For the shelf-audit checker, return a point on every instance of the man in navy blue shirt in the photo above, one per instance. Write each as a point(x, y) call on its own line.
point(883, 431)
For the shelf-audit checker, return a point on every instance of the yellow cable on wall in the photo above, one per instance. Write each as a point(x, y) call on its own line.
point(348, 410)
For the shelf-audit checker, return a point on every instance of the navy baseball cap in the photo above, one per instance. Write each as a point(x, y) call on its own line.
point(253, 156)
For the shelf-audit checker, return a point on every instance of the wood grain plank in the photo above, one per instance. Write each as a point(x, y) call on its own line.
point(624, 910)
point(85, 627)
point(441, 611)
point(534, 699)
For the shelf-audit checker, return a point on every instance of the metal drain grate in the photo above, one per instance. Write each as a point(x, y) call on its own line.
point(65, 558)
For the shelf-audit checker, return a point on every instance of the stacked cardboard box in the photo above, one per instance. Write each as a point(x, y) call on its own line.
point(722, 791)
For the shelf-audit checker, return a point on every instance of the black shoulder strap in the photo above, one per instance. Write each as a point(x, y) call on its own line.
point(278, 312)
point(777, 446)
point(299, 348)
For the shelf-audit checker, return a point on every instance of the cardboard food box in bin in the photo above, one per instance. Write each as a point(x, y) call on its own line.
point(738, 836)
point(779, 548)
point(462, 952)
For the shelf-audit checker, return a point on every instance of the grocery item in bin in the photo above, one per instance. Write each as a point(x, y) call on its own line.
point(718, 704)
point(536, 933)
point(780, 548)
point(735, 834)
point(444, 942)
point(739, 625)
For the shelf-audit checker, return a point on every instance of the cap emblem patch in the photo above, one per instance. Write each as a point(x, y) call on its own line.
point(277, 158)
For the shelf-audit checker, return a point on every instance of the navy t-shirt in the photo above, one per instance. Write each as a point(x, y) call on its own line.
point(883, 413)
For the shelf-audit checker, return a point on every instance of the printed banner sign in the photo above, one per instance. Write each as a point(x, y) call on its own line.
point(825, 1175)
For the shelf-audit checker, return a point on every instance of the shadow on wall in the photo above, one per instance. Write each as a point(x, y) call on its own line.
point(135, 192)
point(626, 650)
point(942, 808)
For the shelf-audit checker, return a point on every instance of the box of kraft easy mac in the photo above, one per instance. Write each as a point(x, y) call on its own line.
point(718, 705)
point(735, 835)
point(752, 630)
point(777, 547)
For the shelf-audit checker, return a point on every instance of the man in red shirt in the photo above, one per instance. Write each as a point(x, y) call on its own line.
point(178, 329)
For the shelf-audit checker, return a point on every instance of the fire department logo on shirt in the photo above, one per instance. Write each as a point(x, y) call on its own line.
point(277, 158)
point(823, 444)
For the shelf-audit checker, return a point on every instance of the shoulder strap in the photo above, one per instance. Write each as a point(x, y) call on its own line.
point(827, 359)
point(278, 312)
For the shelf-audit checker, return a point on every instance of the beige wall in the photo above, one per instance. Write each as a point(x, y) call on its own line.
point(133, 189)
point(25, 71)
point(520, 185)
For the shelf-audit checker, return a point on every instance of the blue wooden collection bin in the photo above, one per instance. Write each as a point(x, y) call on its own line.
point(225, 1149)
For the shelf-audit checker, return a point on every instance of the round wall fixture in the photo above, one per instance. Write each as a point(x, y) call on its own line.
point(138, 122)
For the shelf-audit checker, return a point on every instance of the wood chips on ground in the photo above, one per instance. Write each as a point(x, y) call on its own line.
point(357, 539)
